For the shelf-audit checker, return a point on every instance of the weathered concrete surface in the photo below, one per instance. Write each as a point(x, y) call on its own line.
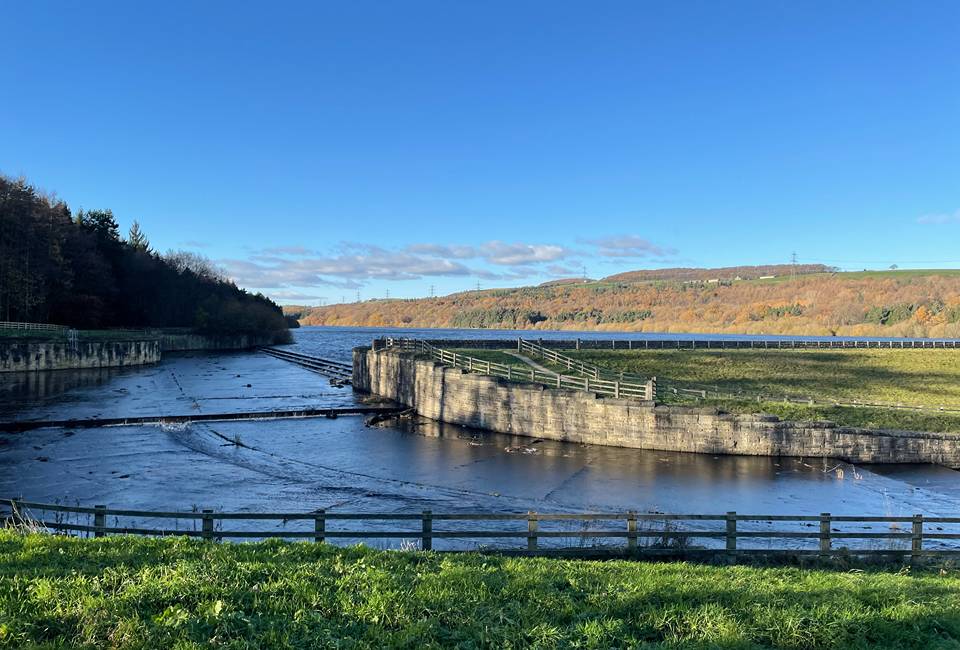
point(183, 342)
point(19, 356)
point(451, 395)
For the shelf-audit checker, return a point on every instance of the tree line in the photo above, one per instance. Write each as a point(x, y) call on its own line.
point(75, 269)
point(896, 303)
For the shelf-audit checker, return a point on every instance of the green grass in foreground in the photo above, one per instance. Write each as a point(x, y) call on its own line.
point(161, 593)
point(919, 377)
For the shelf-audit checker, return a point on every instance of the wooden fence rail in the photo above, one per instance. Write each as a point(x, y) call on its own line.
point(33, 327)
point(905, 536)
point(642, 390)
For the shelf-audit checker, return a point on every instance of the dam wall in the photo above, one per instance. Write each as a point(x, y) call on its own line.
point(185, 342)
point(19, 356)
point(484, 402)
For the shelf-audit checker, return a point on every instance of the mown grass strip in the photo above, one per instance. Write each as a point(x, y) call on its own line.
point(149, 593)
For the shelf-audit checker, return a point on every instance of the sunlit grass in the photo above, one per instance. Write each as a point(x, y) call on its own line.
point(158, 593)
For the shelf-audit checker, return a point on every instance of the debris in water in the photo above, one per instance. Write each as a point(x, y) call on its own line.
point(42, 459)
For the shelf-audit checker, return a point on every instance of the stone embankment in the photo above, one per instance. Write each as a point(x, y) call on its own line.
point(18, 356)
point(452, 395)
point(27, 355)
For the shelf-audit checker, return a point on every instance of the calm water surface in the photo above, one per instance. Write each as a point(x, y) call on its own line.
point(343, 465)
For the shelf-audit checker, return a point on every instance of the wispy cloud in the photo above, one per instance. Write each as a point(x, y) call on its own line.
point(290, 272)
point(940, 218)
point(195, 244)
point(627, 246)
point(494, 252)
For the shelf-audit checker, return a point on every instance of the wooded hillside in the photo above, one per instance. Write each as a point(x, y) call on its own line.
point(891, 303)
point(76, 269)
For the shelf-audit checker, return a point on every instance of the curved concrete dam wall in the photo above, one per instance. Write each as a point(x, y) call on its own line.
point(452, 395)
point(61, 355)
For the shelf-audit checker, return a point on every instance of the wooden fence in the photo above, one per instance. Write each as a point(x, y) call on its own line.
point(644, 389)
point(33, 327)
point(636, 533)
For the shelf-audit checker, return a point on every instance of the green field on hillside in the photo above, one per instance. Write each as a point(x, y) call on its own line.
point(129, 592)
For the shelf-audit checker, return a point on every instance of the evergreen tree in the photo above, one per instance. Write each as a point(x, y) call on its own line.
point(137, 240)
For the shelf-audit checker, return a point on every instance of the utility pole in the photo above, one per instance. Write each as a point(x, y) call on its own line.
point(388, 294)
point(584, 272)
point(793, 262)
point(478, 285)
point(431, 291)
point(358, 295)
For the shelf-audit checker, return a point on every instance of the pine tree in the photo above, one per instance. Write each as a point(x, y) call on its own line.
point(137, 239)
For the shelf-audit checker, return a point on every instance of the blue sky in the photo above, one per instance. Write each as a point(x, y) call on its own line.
point(320, 149)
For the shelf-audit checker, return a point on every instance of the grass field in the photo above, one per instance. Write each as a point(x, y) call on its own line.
point(165, 593)
point(915, 377)
point(83, 335)
point(928, 378)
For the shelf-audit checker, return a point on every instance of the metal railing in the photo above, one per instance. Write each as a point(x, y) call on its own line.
point(644, 533)
point(335, 369)
point(642, 389)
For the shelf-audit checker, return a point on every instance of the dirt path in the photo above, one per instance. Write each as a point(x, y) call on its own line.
point(531, 362)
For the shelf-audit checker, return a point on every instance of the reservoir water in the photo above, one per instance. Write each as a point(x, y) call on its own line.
point(342, 465)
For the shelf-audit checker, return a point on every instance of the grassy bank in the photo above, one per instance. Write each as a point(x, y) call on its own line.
point(150, 593)
point(915, 377)
point(928, 378)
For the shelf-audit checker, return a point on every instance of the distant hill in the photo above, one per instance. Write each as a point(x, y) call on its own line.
point(724, 273)
point(563, 281)
point(808, 299)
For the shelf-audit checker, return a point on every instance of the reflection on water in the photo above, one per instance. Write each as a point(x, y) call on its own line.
point(26, 389)
point(406, 466)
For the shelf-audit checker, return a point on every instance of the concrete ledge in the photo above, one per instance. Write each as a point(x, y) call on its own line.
point(452, 395)
point(32, 355)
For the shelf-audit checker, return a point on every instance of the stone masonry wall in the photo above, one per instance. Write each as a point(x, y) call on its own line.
point(452, 395)
point(26, 355)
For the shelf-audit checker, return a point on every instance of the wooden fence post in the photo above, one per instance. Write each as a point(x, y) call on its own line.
point(824, 534)
point(319, 526)
point(558, 380)
point(616, 390)
point(426, 538)
point(532, 525)
point(207, 528)
point(509, 373)
point(632, 532)
point(519, 344)
point(916, 538)
point(99, 521)
point(732, 531)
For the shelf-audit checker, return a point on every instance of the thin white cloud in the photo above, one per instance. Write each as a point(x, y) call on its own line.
point(940, 218)
point(289, 269)
point(627, 246)
point(498, 252)
point(440, 250)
